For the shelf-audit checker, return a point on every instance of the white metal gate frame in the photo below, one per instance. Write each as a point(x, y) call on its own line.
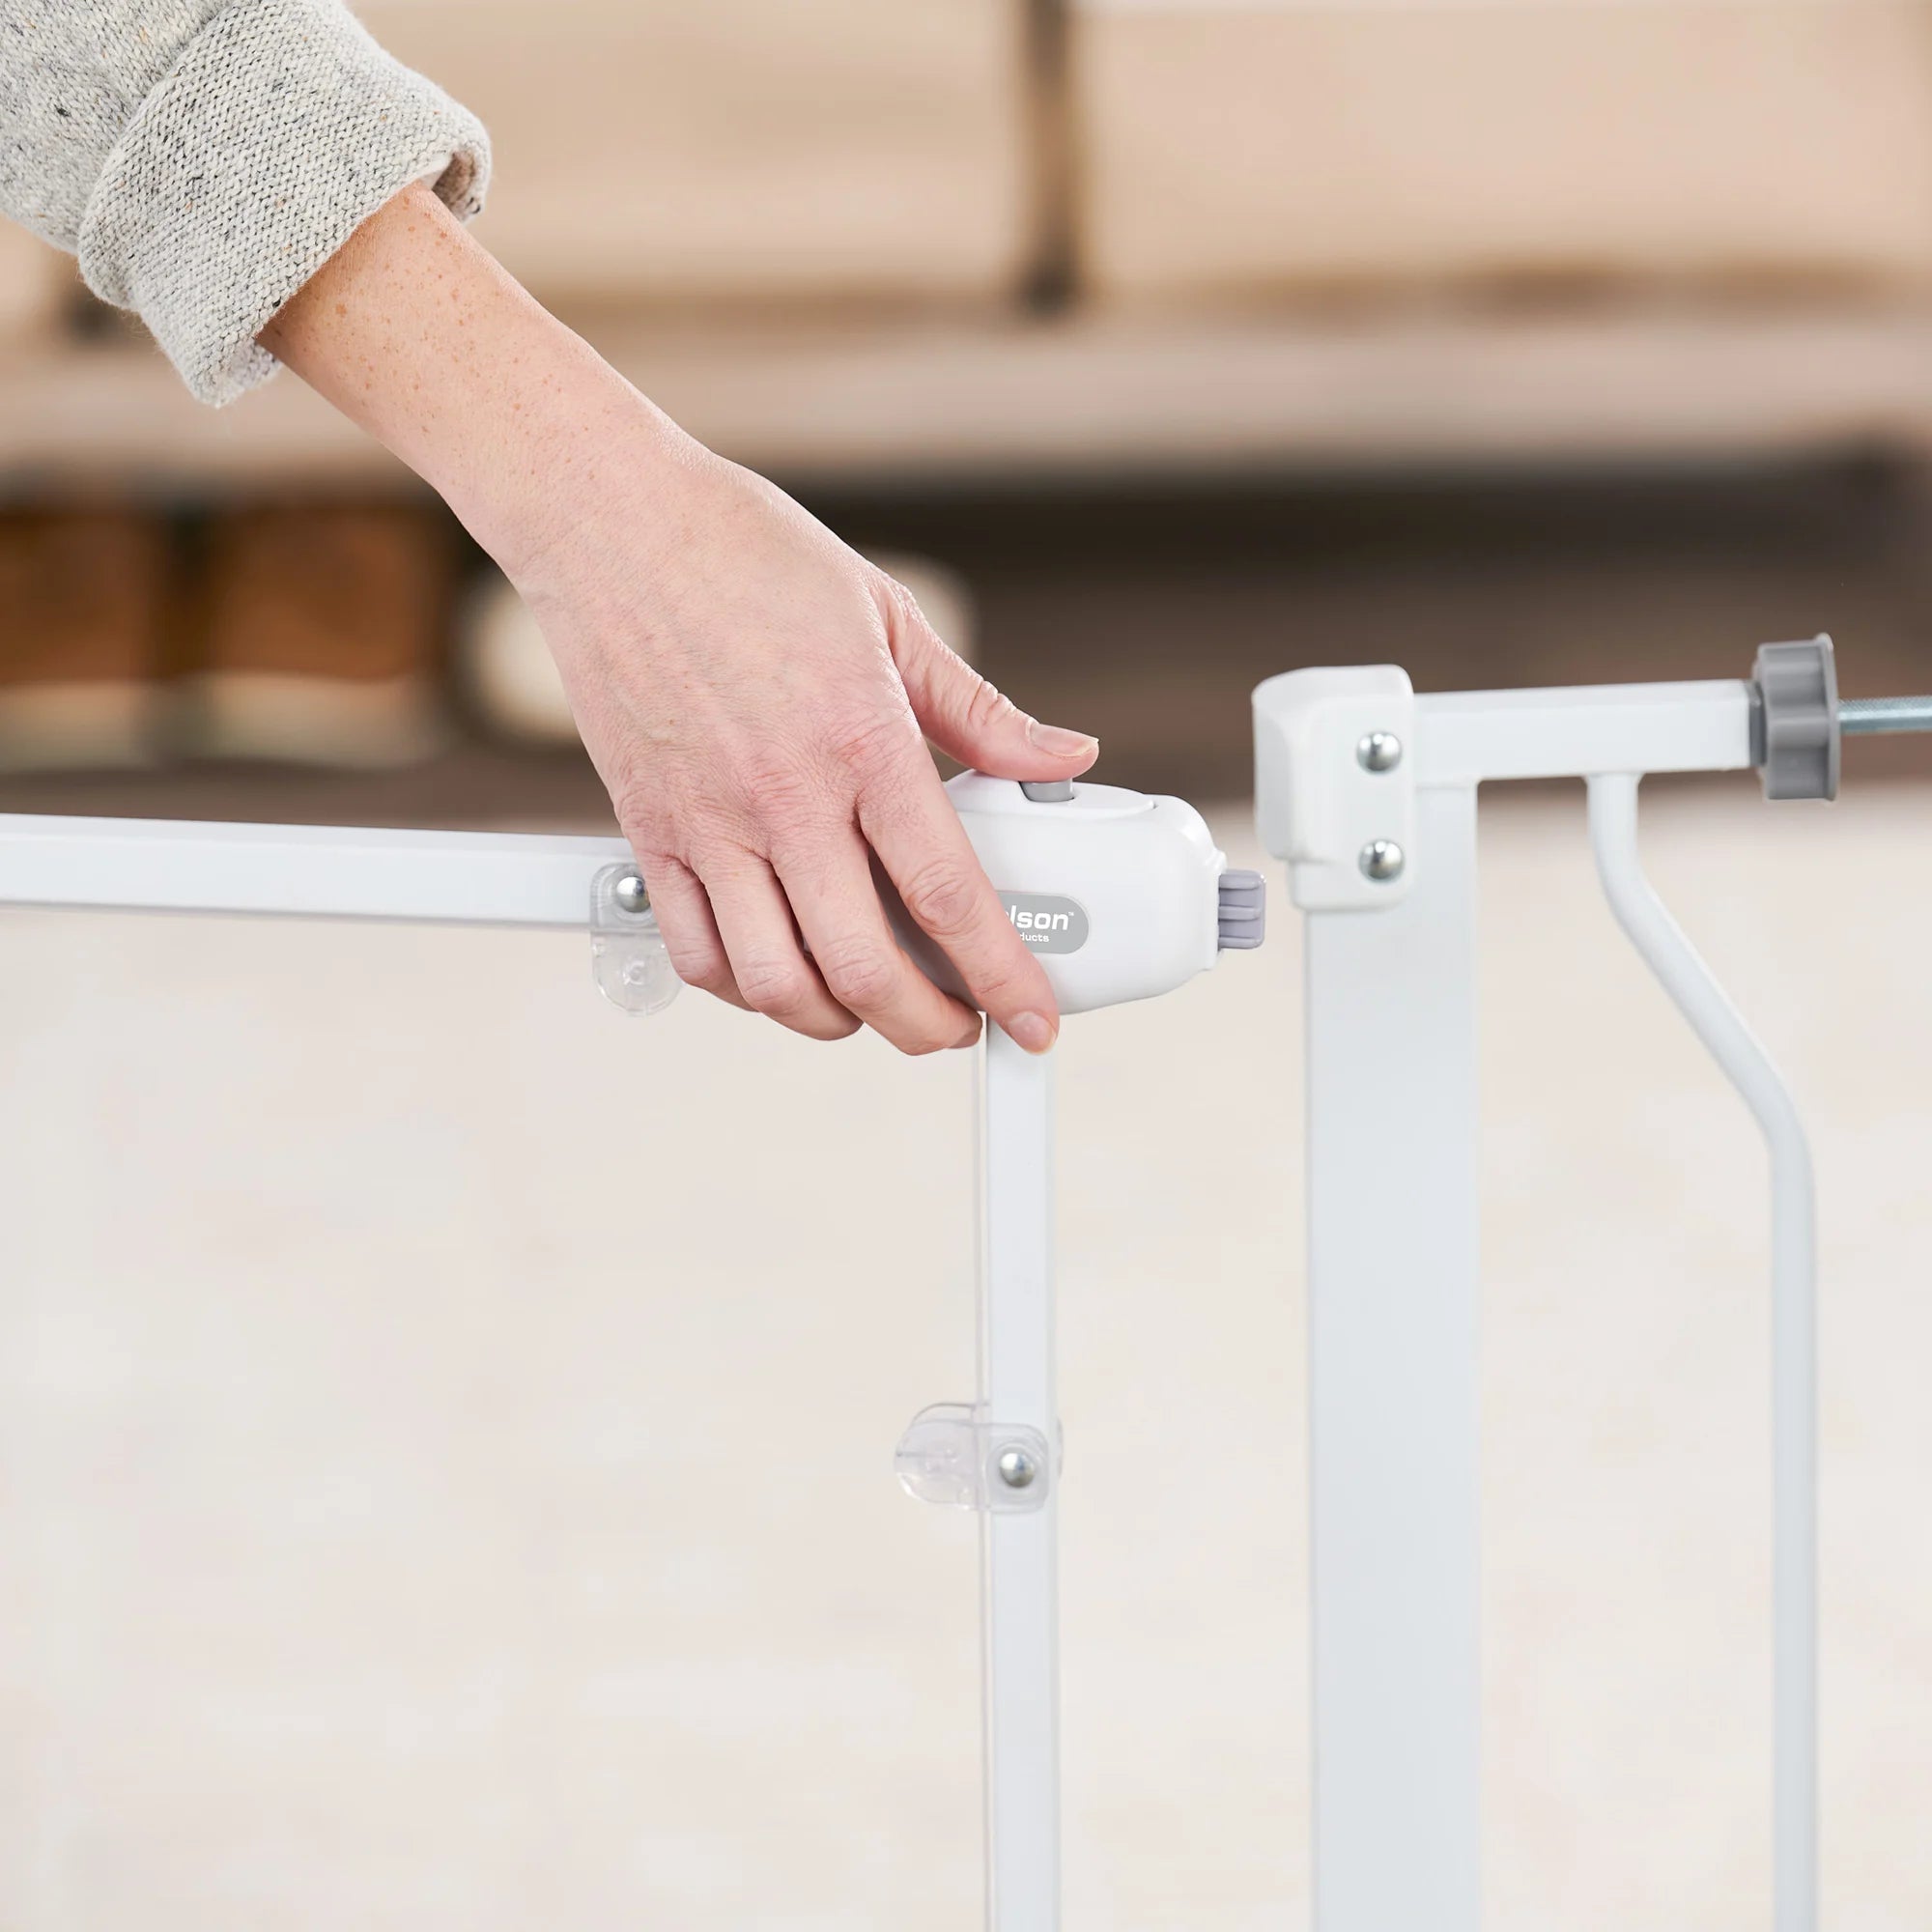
point(1368, 793)
point(511, 879)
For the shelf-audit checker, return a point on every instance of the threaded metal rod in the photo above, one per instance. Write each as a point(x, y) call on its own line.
point(1866, 717)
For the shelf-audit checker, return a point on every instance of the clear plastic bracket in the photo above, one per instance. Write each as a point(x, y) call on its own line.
point(954, 1454)
point(628, 959)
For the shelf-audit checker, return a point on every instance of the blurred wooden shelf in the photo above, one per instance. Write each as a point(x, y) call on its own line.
point(973, 400)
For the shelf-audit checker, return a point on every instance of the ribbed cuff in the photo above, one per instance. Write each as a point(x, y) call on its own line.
point(280, 129)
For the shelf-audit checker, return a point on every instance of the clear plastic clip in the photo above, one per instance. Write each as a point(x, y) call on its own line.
point(953, 1454)
point(628, 959)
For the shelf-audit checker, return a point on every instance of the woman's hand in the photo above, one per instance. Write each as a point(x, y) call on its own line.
point(753, 691)
point(754, 694)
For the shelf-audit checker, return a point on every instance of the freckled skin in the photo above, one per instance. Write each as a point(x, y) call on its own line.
point(753, 693)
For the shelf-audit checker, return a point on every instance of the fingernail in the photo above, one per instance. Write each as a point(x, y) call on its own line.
point(1033, 1030)
point(1062, 744)
point(970, 1037)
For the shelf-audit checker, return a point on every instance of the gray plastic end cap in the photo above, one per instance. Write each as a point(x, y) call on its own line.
point(1795, 740)
point(1243, 910)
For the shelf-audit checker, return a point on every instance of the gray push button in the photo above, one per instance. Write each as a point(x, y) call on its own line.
point(1048, 791)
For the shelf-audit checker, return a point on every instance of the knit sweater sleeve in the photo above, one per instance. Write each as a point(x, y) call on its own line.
point(203, 157)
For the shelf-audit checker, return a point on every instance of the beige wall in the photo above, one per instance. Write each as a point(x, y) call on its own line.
point(1249, 148)
point(868, 148)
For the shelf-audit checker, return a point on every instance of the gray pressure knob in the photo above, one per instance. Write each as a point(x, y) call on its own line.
point(1048, 791)
point(1795, 740)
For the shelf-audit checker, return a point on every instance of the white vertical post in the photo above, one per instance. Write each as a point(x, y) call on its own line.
point(1393, 1392)
point(1022, 1611)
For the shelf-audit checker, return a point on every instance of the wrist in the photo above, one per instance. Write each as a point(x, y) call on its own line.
point(545, 448)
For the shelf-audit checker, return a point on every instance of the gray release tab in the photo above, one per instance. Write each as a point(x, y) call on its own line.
point(1048, 791)
point(1242, 911)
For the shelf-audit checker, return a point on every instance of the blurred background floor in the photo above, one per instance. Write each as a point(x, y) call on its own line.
point(448, 1431)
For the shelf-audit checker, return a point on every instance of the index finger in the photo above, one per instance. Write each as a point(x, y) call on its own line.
point(912, 827)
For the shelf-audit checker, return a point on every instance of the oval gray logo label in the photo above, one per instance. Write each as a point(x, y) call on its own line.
point(1046, 922)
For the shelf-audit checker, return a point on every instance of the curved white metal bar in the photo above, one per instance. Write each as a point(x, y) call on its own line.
point(1794, 1267)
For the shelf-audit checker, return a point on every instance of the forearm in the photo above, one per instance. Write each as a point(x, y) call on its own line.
point(418, 334)
point(750, 689)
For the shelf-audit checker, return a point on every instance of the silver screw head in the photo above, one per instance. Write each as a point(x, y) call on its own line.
point(1381, 861)
point(1379, 751)
point(1017, 1470)
point(631, 893)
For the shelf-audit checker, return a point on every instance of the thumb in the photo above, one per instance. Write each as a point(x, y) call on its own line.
point(970, 721)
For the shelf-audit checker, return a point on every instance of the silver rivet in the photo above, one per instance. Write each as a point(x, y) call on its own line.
point(1017, 1468)
point(1381, 861)
point(1379, 751)
point(631, 893)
